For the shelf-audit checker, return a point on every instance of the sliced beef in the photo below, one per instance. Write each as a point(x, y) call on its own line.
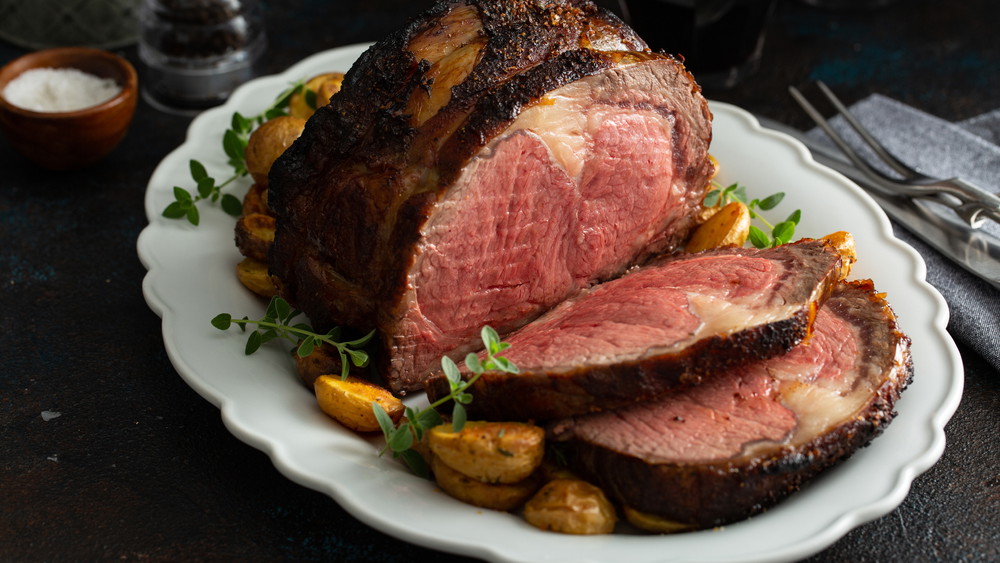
point(479, 167)
point(740, 442)
point(669, 323)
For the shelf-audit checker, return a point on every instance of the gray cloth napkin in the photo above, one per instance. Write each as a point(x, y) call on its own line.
point(936, 147)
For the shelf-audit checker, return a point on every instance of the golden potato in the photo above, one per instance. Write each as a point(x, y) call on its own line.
point(505, 496)
point(843, 241)
point(323, 86)
point(349, 401)
point(255, 235)
point(571, 506)
point(323, 360)
point(253, 275)
point(493, 452)
point(653, 523)
point(730, 226)
point(255, 200)
point(268, 142)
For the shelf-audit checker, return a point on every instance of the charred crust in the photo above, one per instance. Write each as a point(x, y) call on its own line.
point(496, 110)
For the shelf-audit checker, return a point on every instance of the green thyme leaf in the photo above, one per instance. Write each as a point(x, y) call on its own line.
point(419, 422)
point(783, 232)
point(759, 238)
point(198, 172)
point(232, 205)
point(222, 321)
point(450, 370)
point(175, 210)
point(416, 463)
point(384, 420)
point(401, 439)
point(458, 417)
point(772, 201)
point(712, 198)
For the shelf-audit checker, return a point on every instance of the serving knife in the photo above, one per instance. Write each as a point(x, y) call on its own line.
point(974, 249)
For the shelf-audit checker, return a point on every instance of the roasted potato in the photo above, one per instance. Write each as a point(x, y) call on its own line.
point(255, 200)
point(253, 275)
point(268, 142)
point(843, 241)
point(254, 236)
point(571, 506)
point(323, 360)
point(653, 523)
point(505, 496)
point(730, 226)
point(349, 401)
point(322, 86)
point(492, 452)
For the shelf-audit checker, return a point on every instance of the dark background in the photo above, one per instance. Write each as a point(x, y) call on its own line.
point(139, 467)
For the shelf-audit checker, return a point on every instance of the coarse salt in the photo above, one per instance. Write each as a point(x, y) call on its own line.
point(59, 89)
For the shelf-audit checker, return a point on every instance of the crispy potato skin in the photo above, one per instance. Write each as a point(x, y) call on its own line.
point(255, 200)
point(268, 142)
point(255, 235)
point(349, 401)
point(324, 360)
point(729, 226)
point(253, 275)
point(571, 506)
point(505, 496)
point(323, 85)
point(493, 452)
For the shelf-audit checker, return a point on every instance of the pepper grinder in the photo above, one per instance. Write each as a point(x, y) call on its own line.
point(198, 51)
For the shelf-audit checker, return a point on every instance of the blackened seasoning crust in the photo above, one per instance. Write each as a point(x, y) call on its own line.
point(679, 320)
point(741, 442)
point(479, 167)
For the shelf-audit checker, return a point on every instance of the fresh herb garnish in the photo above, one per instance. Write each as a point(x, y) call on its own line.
point(276, 323)
point(399, 440)
point(234, 143)
point(781, 233)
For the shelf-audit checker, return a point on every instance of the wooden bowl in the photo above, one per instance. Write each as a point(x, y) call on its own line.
point(72, 139)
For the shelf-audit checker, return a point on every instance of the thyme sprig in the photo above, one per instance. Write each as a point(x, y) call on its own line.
point(277, 323)
point(780, 233)
point(234, 144)
point(400, 439)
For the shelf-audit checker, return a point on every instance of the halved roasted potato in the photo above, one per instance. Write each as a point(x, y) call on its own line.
point(268, 142)
point(253, 275)
point(349, 401)
point(323, 360)
point(571, 506)
point(730, 226)
point(255, 235)
point(503, 496)
point(255, 200)
point(322, 87)
point(493, 452)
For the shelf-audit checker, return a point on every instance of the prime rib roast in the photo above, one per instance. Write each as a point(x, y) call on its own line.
point(480, 166)
point(741, 441)
point(672, 322)
point(532, 166)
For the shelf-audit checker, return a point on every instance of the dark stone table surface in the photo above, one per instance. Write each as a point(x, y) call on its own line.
point(139, 467)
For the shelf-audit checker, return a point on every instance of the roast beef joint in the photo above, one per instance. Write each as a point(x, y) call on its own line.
point(532, 166)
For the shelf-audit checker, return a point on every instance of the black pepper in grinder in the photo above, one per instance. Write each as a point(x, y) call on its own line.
point(198, 51)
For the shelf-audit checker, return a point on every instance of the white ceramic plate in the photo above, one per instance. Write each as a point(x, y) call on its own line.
point(191, 279)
